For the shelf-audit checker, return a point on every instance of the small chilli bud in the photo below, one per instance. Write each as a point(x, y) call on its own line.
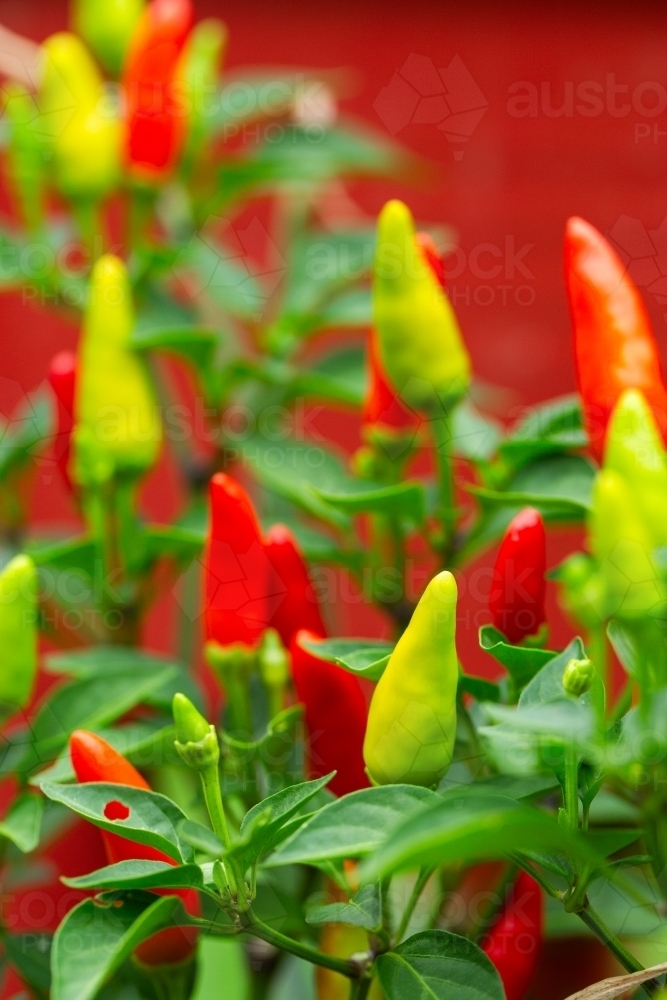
point(273, 660)
point(196, 740)
point(578, 677)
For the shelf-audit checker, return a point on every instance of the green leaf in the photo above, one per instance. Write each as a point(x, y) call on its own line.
point(140, 875)
point(478, 687)
point(608, 842)
point(85, 704)
point(353, 826)
point(23, 822)
point(30, 954)
point(363, 657)
point(107, 661)
point(201, 838)
point(553, 427)
point(547, 685)
point(561, 485)
point(534, 786)
point(624, 645)
point(474, 435)
point(73, 554)
point(346, 368)
point(152, 819)
point(222, 270)
point(438, 965)
point(146, 743)
point(262, 825)
point(322, 263)
point(463, 826)
point(27, 432)
point(295, 162)
point(404, 499)
point(296, 471)
point(521, 662)
point(363, 910)
point(192, 343)
point(172, 541)
point(97, 936)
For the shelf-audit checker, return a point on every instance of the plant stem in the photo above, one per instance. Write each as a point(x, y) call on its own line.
point(443, 441)
point(571, 794)
point(305, 951)
point(594, 921)
point(597, 640)
point(417, 889)
point(359, 989)
point(216, 810)
point(544, 883)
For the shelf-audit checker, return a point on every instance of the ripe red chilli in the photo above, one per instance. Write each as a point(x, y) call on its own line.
point(335, 716)
point(156, 120)
point(236, 567)
point(93, 759)
point(514, 942)
point(62, 378)
point(293, 601)
point(516, 601)
point(614, 345)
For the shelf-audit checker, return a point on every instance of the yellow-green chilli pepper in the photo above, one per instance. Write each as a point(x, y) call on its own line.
point(18, 633)
point(107, 26)
point(117, 424)
point(420, 342)
point(82, 126)
point(634, 449)
point(622, 547)
point(412, 719)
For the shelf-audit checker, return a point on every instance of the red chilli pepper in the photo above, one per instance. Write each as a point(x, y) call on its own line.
point(516, 601)
point(294, 602)
point(236, 567)
point(514, 942)
point(62, 378)
point(157, 123)
point(614, 345)
point(382, 407)
point(93, 759)
point(336, 715)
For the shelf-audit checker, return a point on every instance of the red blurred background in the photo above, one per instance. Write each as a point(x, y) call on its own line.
point(586, 134)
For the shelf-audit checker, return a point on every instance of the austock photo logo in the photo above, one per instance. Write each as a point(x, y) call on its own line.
point(420, 93)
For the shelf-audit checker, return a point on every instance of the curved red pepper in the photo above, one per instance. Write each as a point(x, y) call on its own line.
point(516, 601)
point(336, 714)
point(292, 598)
point(93, 759)
point(62, 378)
point(613, 342)
point(514, 942)
point(156, 122)
point(382, 407)
point(236, 567)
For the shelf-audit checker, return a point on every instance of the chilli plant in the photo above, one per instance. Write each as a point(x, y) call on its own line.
point(363, 818)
